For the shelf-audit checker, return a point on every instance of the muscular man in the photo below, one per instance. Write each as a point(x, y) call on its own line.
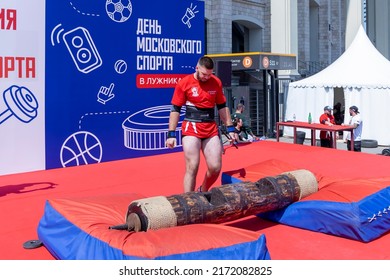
point(200, 93)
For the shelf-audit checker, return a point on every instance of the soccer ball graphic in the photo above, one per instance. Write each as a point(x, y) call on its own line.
point(119, 10)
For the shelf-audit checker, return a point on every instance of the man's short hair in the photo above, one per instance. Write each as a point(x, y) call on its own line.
point(240, 106)
point(206, 62)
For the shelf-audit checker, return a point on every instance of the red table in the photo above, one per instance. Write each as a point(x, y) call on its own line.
point(313, 127)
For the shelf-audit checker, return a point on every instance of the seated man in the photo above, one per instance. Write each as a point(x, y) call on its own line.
point(245, 129)
point(239, 136)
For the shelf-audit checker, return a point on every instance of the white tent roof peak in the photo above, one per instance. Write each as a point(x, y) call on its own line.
point(360, 66)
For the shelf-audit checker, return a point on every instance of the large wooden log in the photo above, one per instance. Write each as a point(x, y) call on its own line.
point(225, 203)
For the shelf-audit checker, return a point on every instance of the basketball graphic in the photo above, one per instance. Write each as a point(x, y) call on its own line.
point(81, 148)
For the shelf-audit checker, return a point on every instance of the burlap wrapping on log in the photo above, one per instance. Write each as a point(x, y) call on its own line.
point(154, 213)
point(306, 180)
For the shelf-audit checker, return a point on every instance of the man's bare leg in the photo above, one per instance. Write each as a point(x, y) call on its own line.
point(212, 152)
point(191, 149)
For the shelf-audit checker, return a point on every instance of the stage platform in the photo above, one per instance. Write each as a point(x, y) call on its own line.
point(23, 196)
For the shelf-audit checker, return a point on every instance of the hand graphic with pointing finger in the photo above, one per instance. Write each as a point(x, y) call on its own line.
point(105, 94)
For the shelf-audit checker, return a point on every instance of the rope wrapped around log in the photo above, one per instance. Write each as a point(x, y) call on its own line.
point(221, 204)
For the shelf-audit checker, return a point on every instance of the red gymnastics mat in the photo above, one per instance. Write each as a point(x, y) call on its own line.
point(23, 196)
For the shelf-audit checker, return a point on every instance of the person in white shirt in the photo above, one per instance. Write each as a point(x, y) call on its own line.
point(357, 122)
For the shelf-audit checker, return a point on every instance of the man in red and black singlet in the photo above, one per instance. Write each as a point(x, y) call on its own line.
point(200, 92)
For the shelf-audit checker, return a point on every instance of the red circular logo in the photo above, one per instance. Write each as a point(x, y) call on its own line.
point(265, 62)
point(247, 62)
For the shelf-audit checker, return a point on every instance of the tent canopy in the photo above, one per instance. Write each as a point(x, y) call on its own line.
point(360, 66)
point(363, 73)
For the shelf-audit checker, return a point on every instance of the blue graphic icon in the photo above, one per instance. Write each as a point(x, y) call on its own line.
point(105, 94)
point(80, 46)
point(82, 49)
point(19, 102)
point(120, 66)
point(81, 148)
point(119, 10)
point(147, 129)
point(189, 14)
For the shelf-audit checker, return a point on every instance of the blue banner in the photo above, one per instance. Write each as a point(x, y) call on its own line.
point(111, 68)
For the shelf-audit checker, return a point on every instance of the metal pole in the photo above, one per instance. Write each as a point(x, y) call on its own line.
point(265, 99)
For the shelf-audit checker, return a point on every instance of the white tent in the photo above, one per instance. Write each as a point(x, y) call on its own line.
point(364, 75)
